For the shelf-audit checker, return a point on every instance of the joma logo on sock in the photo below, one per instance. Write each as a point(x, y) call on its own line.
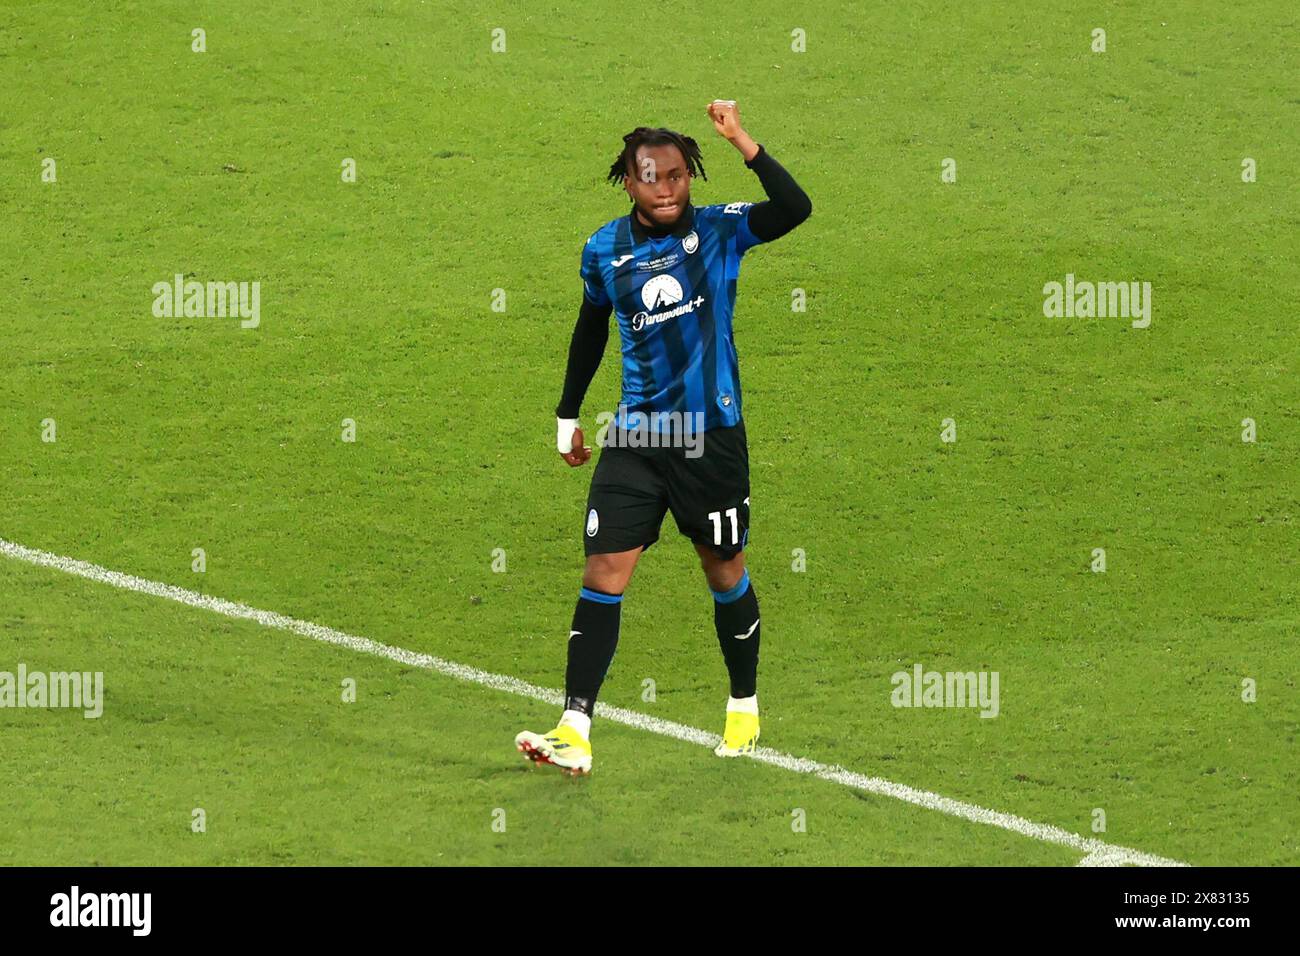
point(1084, 300)
point(922, 688)
point(213, 300)
point(103, 909)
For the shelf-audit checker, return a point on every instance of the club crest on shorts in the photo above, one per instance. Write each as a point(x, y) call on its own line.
point(593, 523)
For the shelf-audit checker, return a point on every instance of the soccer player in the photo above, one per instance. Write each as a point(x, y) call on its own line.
point(668, 270)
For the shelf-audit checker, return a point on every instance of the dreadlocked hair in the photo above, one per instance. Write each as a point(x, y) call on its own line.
point(655, 136)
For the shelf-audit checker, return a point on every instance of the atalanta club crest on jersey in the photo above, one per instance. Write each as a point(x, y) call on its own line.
point(691, 242)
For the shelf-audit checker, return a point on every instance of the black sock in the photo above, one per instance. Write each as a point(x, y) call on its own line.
point(735, 615)
point(592, 641)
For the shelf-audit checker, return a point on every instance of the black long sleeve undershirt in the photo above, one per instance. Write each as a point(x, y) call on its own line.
point(585, 352)
point(787, 206)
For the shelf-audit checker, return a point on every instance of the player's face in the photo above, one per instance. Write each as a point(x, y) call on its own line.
point(660, 185)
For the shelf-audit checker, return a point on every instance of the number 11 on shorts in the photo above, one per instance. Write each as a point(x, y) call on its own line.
point(716, 518)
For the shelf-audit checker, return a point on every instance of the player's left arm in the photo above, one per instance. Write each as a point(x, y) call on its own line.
point(787, 205)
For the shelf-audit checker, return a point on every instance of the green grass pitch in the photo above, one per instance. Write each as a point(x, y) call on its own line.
point(478, 170)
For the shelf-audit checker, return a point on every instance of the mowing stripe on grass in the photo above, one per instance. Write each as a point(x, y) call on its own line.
point(1096, 852)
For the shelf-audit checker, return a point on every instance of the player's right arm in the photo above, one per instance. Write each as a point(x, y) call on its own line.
point(586, 348)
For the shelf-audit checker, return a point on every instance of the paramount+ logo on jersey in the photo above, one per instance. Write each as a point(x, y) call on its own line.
point(662, 292)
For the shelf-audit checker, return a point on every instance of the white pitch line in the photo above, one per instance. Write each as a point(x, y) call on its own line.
point(1096, 852)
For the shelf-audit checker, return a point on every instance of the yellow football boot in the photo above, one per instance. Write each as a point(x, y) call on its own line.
point(741, 735)
point(563, 747)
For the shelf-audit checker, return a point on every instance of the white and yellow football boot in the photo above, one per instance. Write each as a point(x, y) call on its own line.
point(563, 747)
point(741, 734)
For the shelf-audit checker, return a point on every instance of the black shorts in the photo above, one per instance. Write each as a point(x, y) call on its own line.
point(708, 494)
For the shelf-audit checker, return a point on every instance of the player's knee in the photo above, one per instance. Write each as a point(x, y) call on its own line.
point(608, 573)
point(723, 575)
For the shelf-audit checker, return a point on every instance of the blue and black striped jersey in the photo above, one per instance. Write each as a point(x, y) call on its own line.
point(674, 298)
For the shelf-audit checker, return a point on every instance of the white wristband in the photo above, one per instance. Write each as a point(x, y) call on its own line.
point(564, 429)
